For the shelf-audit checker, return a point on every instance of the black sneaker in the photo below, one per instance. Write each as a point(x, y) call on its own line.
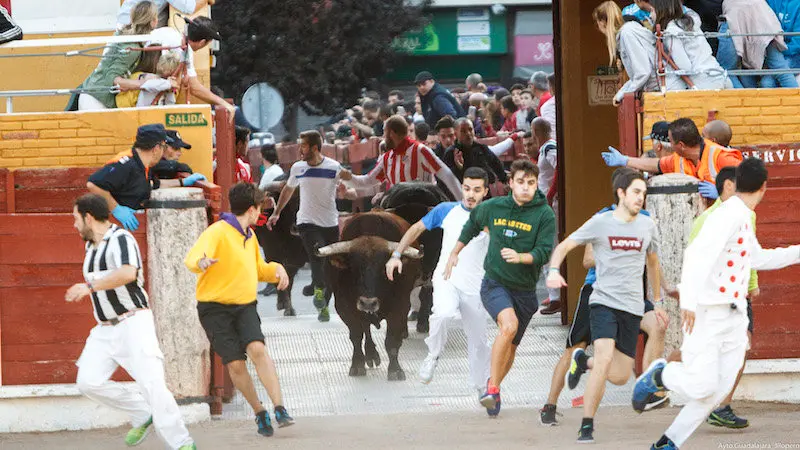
point(725, 417)
point(585, 435)
point(576, 369)
point(547, 415)
point(264, 424)
point(655, 401)
point(282, 417)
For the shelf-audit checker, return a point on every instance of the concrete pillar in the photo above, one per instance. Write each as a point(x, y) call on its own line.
point(674, 203)
point(175, 219)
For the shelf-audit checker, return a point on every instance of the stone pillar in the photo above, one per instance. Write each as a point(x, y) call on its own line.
point(674, 203)
point(175, 219)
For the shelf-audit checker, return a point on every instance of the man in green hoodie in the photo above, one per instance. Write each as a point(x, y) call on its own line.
point(521, 234)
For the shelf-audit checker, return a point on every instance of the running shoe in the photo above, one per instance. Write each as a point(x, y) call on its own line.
point(427, 368)
point(668, 446)
point(656, 401)
point(319, 298)
point(191, 446)
point(586, 435)
point(324, 315)
point(547, 416)
point(136, 435)
point(282, 417)
point(491, 400)
point(725, 417)
point(576, 369)
point(646, 385)
point(264, 424)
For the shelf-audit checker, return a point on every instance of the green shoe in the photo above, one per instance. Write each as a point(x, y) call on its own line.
point(188, 447)
point(324, 315)
point(319, 298)
point(137, 434)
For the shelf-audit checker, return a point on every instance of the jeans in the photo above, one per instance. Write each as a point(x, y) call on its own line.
point(315, 237)
point(774, 59)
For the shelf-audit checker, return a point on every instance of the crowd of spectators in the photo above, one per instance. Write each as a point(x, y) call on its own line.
point(752, 38)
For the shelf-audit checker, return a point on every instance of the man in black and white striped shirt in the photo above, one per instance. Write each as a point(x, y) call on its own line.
point(125, 334)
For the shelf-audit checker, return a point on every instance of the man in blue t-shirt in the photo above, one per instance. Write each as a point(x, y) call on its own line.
point(462, 291)
point(653, 324)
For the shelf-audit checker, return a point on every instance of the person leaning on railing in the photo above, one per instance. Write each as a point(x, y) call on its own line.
point(116, 64)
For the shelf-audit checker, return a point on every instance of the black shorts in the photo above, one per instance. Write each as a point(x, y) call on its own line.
point(496, 297)
point(580, 330)
point(610, 323)
point(749, 316)
point(230, 328)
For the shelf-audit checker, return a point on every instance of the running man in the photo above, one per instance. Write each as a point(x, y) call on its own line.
point(714, 283)
point(621, 241)
point(462, 291)
point(125, 334)
point(227, 258)
point(522, 228)
point(317, 176)
point(654, 326)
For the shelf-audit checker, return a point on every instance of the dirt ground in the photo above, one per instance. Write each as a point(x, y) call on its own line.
point(772, 426)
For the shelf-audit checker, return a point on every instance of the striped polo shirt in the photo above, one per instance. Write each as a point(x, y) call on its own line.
point(118, 248)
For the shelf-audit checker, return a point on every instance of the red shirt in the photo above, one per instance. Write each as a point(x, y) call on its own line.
point(545, 97)
point(410, 161)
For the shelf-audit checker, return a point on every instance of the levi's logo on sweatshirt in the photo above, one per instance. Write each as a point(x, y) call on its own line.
point(625, 243)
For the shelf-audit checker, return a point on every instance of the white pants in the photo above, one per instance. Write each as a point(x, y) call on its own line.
point(712, 357)
point(88, 103)
point(447, 301)
point(133, 345)
point(553, 294)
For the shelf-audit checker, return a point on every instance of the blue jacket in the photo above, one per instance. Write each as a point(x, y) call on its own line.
point(788, 12)
point(439, 102)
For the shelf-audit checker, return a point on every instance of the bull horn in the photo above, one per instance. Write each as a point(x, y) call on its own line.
point(335, 249)
point(410, 252)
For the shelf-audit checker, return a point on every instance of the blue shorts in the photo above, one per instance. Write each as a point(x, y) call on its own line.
point(497, 297)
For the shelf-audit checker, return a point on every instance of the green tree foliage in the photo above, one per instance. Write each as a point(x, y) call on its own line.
point(317, 54)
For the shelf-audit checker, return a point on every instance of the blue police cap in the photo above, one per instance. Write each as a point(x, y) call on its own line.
point(147, 136)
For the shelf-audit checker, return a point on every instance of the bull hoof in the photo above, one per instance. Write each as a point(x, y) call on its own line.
point(289, 312)
point(423, 326)
point(358, 371)
point(280, 305)
point(397, 375)
point(373, 360)
point(405, 333)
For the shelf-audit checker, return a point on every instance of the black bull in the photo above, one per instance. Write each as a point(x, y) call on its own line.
point(412, 201)
point(363, 294)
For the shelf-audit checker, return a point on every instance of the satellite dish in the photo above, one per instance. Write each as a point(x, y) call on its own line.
point(262, 105)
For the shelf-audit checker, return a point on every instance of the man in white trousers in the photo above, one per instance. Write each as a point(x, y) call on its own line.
point(462, 291)
point(713, 289)
point(125, 333)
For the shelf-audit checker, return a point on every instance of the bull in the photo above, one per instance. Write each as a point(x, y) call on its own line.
point(411, 201)
point(363, 295)
point(283, 245)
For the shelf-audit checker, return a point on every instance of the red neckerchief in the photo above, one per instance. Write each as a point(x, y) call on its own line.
point(405, 144)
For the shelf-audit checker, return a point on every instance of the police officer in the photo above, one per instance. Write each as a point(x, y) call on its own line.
point(126, 180)
point(169, 166)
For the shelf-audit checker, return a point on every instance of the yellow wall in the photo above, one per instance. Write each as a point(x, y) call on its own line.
point(61, 72)
point(90, 138)
point(763, 116)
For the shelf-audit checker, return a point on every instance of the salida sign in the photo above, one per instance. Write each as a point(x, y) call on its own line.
point(195, 119)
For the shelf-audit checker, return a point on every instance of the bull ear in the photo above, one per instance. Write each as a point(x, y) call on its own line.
point(338, 261)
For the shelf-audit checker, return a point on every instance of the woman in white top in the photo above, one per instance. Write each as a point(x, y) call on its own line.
point(631, 43)
point(691, 53)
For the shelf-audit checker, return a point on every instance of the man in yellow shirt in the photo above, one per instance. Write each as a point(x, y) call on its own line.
point(724, 416)
point(230, 266)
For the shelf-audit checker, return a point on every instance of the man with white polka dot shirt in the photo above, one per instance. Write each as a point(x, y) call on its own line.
point(713, 290)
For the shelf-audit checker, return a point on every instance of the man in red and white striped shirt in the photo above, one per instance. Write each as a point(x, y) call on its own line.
point(405, 160)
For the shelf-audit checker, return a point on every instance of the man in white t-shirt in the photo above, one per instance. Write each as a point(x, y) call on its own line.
point(199, 33)
point(461, 292)
point(548, 161)
point(269, 157)
point(317, 219)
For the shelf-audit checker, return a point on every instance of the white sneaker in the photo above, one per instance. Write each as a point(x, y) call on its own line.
point(427, 368)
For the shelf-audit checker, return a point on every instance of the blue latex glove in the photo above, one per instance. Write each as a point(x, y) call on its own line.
point(708, 190)
point(193, 178)
point(614, 158)
point(126, 217)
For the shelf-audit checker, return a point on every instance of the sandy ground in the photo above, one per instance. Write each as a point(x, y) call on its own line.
point(773, 426)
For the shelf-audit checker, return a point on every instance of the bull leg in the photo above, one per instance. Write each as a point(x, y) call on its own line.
point(371, 353)
point(394, 339)
point(285, 297)
point(357, 368)
point(425, 306)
